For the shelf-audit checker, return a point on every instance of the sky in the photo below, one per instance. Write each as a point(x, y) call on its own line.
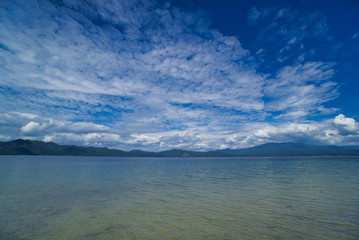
point(195, 75)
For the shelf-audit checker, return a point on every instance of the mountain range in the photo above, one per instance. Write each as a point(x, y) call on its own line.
point(30, 147)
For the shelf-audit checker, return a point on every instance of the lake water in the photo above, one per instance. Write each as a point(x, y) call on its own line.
point(172, 198)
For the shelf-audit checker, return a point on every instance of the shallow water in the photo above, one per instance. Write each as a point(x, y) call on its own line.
point(174, 198)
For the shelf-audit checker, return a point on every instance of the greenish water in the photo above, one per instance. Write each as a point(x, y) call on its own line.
point(172, 198)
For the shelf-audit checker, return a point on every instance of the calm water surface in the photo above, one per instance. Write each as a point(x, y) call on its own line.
point(173, 198)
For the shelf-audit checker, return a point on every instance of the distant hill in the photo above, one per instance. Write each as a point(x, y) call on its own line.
point(293, 149)
point(29, 147)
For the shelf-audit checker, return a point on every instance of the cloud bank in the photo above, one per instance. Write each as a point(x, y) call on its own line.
point(140, 74)
point(339, 130)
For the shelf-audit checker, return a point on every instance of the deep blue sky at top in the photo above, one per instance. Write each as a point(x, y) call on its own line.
point(231, 18)
point(199, 75)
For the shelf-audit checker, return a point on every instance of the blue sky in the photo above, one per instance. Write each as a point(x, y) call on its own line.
point(196, 75)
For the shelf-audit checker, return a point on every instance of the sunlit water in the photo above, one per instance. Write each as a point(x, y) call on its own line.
point(172, 198)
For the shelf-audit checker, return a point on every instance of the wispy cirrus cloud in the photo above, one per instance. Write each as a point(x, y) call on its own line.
point(301, 89)
point(101, 58)
point(288, 33)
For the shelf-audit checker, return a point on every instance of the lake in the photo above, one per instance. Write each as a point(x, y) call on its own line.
point(178, 198)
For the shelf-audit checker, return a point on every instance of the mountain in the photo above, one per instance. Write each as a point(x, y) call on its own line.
point(293, 149)
point(29, 147)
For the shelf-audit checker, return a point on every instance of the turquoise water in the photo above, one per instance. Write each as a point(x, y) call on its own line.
point(173, 198)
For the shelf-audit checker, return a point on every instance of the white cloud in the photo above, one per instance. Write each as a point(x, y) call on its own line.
point(33, 128)
point(301, 89)
point(345, 125)
point(310, 71)
point(23, 125)
point(324, 132)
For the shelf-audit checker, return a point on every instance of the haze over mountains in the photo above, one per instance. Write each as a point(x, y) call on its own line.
point(29, 147)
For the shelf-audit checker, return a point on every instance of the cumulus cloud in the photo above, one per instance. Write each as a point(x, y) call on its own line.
point(345, 125)
point(24, 125)
point(337, 131)
point(98, 139)
point(33, 128)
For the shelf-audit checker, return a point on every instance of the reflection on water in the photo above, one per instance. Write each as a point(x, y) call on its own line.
point(172, 198)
